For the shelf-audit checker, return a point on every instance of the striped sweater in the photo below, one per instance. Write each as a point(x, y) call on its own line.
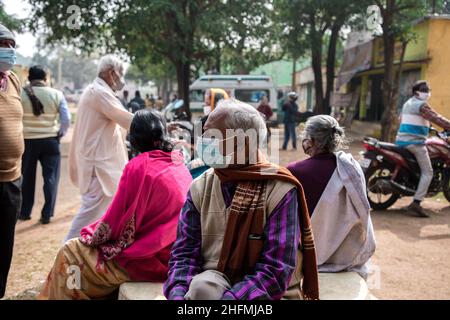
point(414, 128)
point(11, 136)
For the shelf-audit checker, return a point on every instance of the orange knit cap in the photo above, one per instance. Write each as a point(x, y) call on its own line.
point(217, 95)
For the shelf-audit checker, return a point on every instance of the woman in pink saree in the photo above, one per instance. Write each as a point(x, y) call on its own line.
point(133, 239)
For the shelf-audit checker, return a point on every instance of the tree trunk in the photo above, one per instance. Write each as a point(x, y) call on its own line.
point(183, 81)
point(316, 53)
point(391, 81)
point(331, 66)
point(294, 62)
point(389, 119)
point(390, 109)
point(218, 59)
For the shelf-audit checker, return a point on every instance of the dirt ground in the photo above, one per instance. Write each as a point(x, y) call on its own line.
point(411, 261)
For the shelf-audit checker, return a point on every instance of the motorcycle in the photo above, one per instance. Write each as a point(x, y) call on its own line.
point(178, 126)
point(392, 172)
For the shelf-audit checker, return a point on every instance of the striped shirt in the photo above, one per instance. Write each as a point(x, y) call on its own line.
point(414, 128)
point(11, 129)
point(274, 269)
point(426, 115)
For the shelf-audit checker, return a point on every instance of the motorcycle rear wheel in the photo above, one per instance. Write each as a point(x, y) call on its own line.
point(382, 201)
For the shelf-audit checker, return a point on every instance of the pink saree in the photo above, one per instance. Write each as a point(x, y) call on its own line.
point(139, 227)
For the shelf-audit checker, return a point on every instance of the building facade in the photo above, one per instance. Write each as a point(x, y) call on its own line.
point(426, 57)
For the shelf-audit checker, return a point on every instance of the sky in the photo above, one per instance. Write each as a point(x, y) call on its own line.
point(26, 42)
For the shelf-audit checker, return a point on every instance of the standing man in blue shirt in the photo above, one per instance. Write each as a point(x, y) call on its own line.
point(290, 109)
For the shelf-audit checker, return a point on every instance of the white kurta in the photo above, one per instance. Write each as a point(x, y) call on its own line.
point(97, 145)
point(97, 154)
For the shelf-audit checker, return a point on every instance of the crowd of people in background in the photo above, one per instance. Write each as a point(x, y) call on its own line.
point(137, 103)
point(242, 229)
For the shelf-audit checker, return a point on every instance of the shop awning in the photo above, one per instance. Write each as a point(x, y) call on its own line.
point(356, 59)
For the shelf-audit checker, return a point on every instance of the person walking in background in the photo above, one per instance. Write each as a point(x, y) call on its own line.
point(148, 101)
point(11, 149)
point(97, 154)
point(159, 103)
point(152, 100)
point(290, 109)
point(137, 103)
point(266, 110)
point(46, 119)
point(124, 99)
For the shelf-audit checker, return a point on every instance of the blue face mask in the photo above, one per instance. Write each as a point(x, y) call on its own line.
point(209, 151)
point(7, 59)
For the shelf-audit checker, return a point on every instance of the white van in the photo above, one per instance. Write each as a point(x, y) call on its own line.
point(245, 88)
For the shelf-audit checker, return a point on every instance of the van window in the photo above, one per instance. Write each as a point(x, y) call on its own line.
point(251, 95)
point(197, 95)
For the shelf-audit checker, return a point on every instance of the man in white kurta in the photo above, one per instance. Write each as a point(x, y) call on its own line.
point(98, 154)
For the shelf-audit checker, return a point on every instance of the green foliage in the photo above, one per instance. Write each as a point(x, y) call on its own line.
point(308, 22)
point(10, 21)
point(237, 35)
point(399, 16)
point(157, 73)
point(398, 21)
point(313, 28)
point(248, 35)
point(76, 68)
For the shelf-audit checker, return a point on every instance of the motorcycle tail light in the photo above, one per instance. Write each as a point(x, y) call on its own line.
point(368, 146)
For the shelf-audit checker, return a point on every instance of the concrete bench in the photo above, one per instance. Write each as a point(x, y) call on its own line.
point(141, 291)
point(333, 286)
point(343, 286)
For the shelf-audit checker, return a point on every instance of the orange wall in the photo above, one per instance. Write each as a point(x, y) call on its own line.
point(438, 70)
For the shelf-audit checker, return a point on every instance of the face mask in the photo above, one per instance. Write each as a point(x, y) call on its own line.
point(7, 59)
point(424, 95)
point(117, 86)
point(306, 145)
point(206, 110)
point(208, 150)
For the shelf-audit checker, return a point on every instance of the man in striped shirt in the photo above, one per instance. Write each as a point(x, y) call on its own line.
point(11, 150)
point(414, 128)
point(223, 250)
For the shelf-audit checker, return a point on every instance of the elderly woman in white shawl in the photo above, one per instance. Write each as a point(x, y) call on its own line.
point(334, 186)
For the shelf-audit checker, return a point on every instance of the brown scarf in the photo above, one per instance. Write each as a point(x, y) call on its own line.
point(244, 233)
point(239, 253)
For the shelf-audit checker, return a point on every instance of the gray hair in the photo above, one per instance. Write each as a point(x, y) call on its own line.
point(240, 115)
point(109, 62)
point(326, 132)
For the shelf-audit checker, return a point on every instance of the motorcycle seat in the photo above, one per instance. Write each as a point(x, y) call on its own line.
point(405, 153)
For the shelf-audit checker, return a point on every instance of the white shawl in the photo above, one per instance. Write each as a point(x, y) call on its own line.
point(341, 223)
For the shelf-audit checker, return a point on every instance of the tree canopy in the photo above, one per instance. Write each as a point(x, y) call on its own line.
point(10, 21)
point(191, 35)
